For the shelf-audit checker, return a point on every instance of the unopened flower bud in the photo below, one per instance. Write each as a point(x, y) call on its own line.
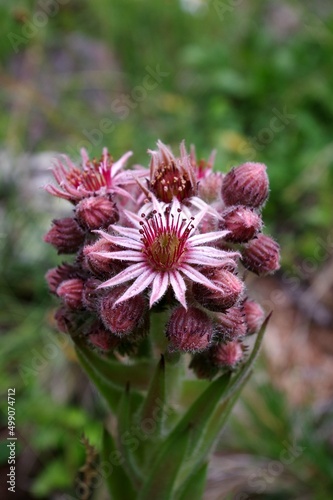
point(90, 294)
point(231, 289)
point(98, 264)
point(124, 317)
point(242, 222)
point(231, 324)
point(57, 275)
point(65, 320)
point(246, 184)
point(102, 338)
point(96, 212)
point(210, 187)
point(189, 330)
point(254, 316)
point(65, 235)
point(227, 355)
point(261, 255)
point(203, 366)
point(71, 292)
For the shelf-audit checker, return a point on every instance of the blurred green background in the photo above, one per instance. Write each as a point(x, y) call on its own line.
point(252, 79)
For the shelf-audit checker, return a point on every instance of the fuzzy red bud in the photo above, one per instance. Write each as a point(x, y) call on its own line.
point(246, 184)
point(65, 235)
point(96, 212)
point(97, 264)
point(231, 289)
point(71, 292)
point(231, 324)
point(254, 316)
point(227, 355)
point(124, 317)
point(102, 338)
point(189, 330)
point(242, 222)
point(261, 255)
point(56, 275)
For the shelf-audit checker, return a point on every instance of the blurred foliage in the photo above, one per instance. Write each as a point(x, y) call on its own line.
point(230, 71)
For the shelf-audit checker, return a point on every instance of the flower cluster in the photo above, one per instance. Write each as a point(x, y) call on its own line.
point(175, 236)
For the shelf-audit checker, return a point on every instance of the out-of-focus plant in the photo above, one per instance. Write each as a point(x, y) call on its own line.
point(160, 255)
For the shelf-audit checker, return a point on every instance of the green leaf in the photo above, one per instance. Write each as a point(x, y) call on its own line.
point(137, 374)
point(194, 487)
point(110, 393)
point(220, 415)
point(125, 433)
point(163, 474)
point(118, 482)
point(155, 399)
point(152, 415)
point(196, 418)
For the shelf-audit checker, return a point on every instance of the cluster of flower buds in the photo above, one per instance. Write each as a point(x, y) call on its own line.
point(175, 236)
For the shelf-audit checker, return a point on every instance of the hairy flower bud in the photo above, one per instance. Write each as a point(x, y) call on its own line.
point(203, 366)
point(189, 330)
point(65, 235)
point(65, 320)
point(242, 222)
point(227, 355)
point(124, 317)
point(98, 264)
point(58, 274)
point(71, 292)
point(210, 187)
point(261, 255)
point(254, 316)
point(231, 324)
point(231, 289)
point(102, 338)
point(96, 212)
point(246, 184)
point(90, 294)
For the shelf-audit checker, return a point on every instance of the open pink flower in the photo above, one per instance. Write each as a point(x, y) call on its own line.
point(165, 250)
point(93, 177)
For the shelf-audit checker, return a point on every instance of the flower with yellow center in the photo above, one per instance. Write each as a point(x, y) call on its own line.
point(166, 250)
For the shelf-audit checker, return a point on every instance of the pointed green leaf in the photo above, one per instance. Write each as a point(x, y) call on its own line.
point(125, 433)
point(247, 367)
point(196, 417)
point(110, 393)
point(138, 374)
point(223, 410)
point(162, 476)
point(118, 482)
point(155, 398)
point(194, 487)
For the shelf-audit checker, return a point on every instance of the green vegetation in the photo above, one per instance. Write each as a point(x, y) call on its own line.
point(254, 81)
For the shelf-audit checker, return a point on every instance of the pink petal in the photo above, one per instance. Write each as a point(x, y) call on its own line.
point(130, 255)
point(199, 239)
point(120, 163)
point(198, 277)
point(140, 284)
point(160, 285)
point(121, 241)
point(179, 287)
point(130, 232)
point(129, 273)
